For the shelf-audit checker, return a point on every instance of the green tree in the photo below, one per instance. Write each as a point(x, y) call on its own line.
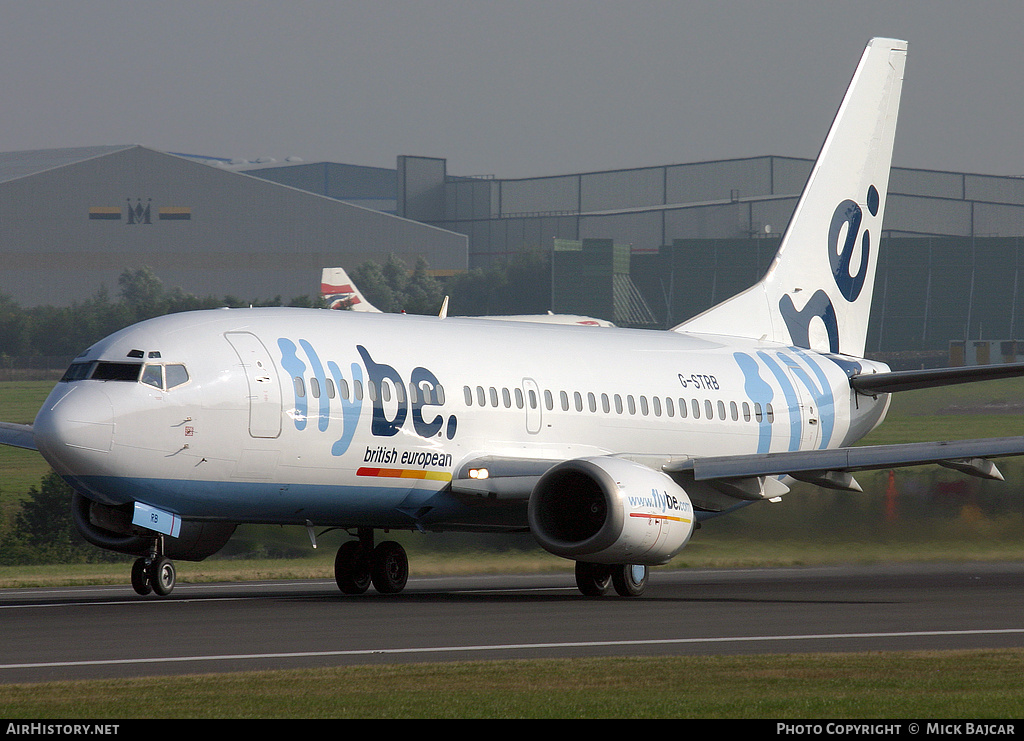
point(44, 531)
point(142, 292)
point(520, 286)
point(392, 288)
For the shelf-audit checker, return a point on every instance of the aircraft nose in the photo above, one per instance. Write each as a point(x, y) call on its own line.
point(74, 424)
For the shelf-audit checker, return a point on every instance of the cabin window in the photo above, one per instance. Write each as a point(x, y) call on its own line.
point(494, 396)
point(606, 404)
point(300, 387)
point(643, 405)
point(549, 400)
point(466, 391)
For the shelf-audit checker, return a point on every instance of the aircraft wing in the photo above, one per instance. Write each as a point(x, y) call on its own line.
point(969, 456)
point(750, 477)
point(18, 436)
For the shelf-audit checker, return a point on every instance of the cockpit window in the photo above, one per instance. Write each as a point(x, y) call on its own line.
point(77, 372)
point(106, 371)
point(164, 376)
point(152, 374)
point(175, 375)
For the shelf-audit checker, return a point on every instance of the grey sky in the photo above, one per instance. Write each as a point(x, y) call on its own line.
point(512, 88)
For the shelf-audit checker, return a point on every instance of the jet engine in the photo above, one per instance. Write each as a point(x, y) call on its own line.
point(111, 528)
point(610, 510)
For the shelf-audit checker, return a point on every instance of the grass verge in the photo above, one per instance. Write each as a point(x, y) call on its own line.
point(913, 685)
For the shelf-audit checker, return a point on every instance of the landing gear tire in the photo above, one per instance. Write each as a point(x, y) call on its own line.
point(390, 570)
point(593, 579)
point(162, 575)
point(352, 568)
point(140, 577)
point(629, 580)
point(155, 574)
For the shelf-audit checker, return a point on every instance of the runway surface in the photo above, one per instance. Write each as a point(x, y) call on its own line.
point(91, 632)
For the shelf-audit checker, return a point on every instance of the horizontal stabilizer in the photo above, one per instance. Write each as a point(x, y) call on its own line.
point(887, 383)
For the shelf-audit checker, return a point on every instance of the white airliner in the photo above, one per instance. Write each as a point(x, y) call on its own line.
point(610, 446)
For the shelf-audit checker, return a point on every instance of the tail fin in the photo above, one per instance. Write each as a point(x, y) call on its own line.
point(817, 291)
point(339, 292)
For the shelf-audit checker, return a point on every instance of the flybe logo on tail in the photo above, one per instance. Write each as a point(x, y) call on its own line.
point(395, 404)
point(849, 278)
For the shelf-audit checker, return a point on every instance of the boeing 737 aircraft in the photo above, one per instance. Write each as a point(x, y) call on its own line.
point(610, 446)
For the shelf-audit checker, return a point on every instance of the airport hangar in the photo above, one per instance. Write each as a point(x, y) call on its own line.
point(644, 247)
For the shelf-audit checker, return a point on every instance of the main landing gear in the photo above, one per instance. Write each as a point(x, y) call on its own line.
point(153, 573)
point(359, 563)
point(594, 579)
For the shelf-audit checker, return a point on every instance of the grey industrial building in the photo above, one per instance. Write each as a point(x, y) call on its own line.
point(71, 220)
point(647, 246)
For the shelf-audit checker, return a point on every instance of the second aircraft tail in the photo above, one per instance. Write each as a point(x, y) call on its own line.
point(817, 292)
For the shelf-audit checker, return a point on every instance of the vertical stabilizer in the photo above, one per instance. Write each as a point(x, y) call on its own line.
point(339, 292)
point(817, 291)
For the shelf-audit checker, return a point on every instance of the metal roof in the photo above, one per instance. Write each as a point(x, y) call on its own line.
point(14, 165)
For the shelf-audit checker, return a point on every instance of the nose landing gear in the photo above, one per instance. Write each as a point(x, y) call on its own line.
point(153, 573)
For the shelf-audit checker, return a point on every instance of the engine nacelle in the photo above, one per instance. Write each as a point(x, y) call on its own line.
point(610, 510)
point(111, 528)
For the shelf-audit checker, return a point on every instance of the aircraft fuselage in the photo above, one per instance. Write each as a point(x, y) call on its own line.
point(324, 417)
